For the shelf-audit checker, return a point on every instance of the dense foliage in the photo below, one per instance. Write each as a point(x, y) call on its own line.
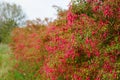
point(11, 16)
point(82, 44)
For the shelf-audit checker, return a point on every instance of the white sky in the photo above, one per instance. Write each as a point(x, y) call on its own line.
point(40, 8)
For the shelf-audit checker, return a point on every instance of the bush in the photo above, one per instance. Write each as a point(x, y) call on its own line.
point(83, 46)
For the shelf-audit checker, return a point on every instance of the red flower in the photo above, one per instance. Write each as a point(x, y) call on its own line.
point(87, 40)
point(96, 8)
point(48, 69)
point(69, 53)
point(21, 46)
point(107, 11)
point(37, 47)
point(70, 18)
point(97, 53)
point(76, 77)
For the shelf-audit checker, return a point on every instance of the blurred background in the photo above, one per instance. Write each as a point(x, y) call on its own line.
point(40, 8)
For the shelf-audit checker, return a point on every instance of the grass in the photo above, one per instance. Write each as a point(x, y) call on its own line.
point(6, 63)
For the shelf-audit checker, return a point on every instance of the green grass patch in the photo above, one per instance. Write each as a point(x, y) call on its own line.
point(6, 61)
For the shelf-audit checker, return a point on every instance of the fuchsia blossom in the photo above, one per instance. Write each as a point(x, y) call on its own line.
point(94, 32)
point(73, 38)
point(96, 8)
point(76, 77)
point(69, 53)
point(48, 69)
point(115, 74)
point(105, 35)
point(70, 18)
point(87, 40)
point(38, 40)
point(37, 47)
point(61, 69)
point(102, 23)
point(63, 60)
point(21, 46)
point(107, 67)
point(49, 72)
point(51, 49)
point(92, 43)
point(97, 53)
point(112, 58)
point(107, 11)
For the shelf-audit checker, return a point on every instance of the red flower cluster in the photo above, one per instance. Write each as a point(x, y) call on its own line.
point(107, 11)
point(70, 18)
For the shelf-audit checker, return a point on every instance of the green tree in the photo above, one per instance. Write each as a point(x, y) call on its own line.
point(11, 16)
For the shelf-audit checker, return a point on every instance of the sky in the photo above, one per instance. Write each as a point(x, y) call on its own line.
point(40, 8)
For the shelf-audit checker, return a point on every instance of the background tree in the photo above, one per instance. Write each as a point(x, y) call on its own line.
point(11, 16)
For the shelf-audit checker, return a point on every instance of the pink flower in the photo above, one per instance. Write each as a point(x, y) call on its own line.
point(97, 53)
point(51, 49)
point(48, 69)
point(70, 18)
point(96, 8)
point(105, 35)
point(107, 67)
point(112, 59)
point(38, 40)
point(93, 32)
point(107, 11)
point(115, 75)
point(69, 53)
point(33, 35)
point(21, 46)
point(63, 60)
point(37, 47)
point(76, 77)
point(87, 40)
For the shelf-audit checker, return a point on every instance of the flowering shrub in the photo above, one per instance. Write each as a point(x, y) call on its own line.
point(28, 48)
point(85, 46)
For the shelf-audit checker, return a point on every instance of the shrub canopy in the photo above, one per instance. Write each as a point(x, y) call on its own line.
point(82, 44)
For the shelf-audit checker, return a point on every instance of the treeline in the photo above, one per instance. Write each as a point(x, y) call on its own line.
point(11, 16)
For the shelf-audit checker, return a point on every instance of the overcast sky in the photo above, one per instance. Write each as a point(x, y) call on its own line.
point(40, 8)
